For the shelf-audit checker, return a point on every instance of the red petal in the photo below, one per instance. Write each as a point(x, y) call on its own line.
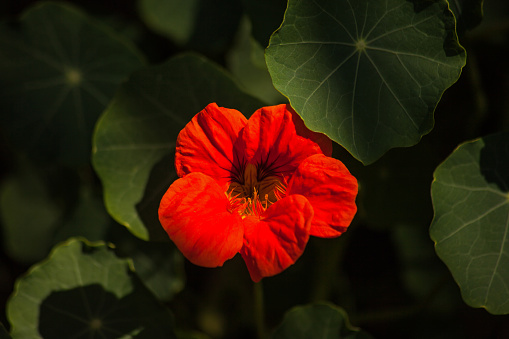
point(331, 190)
point(194, 213)
point(206, 143)
point(321, 139)
point(270, 138)
point(276, 241)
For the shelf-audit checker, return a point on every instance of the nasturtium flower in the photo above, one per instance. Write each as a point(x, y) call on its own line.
point(260, 187)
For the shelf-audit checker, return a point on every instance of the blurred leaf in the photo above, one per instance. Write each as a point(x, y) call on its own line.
point(29, 215)
point(58, 72)
point(246, 61)
point(205, 26)
point(318, 321)
point(88, 219)
point(266, 16)
point(85, 291)
point(159, 265)
point(468, 13)
point(368, 73)
point(471, 226)
point(41, 206)
point(135, 138)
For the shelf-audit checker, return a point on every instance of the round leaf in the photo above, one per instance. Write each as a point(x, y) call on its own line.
point(471, 225)
point(319, 321)
point(135, 138)
point(207, 26)
point(58, 72)
point(369, 74)
point(85, 291)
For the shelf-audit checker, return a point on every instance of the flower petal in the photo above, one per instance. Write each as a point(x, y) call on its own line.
point(206, 143)
point(321, 139)
point(270, 140)
point(331, 190)
point(276, 241)
point(194, 213)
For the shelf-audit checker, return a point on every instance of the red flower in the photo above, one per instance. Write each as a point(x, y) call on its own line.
point(260, 187)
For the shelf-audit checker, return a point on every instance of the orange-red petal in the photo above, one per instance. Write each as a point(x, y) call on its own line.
point(331, 190)
point(321, 139)
point(206, 143)
point(194, 213)
point(270, 137)
point(277, 240)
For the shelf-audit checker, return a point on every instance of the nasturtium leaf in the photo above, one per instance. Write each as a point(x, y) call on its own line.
point(84, 290)
point(468, 13)
point(29, 215)
point(88, 219)
point(246, 62)
point(317, 321)
point(135, 138)
point(158, 265)
point(58, 71)
point(470, 196)
point(203, 25)
point(369, 74)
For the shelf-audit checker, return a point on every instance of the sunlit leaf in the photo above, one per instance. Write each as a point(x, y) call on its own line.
point(369, 74)
point(58, 72)
point(318, 321)
point(471, 226)
point(135, 138)
point(85, 291)
point(203, 25)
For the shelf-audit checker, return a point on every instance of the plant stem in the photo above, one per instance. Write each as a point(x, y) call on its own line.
point(259, 310)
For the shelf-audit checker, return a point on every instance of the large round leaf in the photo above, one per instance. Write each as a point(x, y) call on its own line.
point(85, 291)
point(369, 74)
point(58, 72)
point(471, 226)
point(318, 321)
point(135, 138)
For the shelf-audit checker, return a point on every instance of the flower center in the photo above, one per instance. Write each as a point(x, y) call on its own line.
point(252, 194)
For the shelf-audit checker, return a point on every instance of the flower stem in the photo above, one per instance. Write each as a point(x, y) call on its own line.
point(259, 310)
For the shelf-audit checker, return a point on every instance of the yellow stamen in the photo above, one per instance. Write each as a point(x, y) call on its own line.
point(245, 198)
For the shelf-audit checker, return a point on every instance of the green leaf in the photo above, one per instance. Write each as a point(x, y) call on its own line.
point(135, 138)
point(471, 226)
point(247, 63)
point(58, 72)
point(29, 215)
point(205, 26)
point(468, 13)
point(369, 74)
point(318, 321)
point(159, 265)
point(84, 290)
